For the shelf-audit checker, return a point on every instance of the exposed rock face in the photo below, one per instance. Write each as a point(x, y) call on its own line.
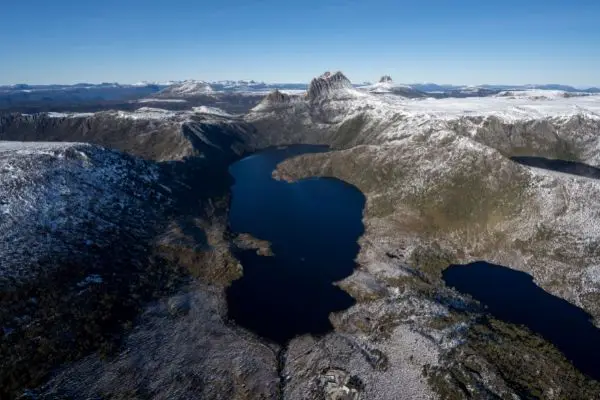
point(387, 86)
point(152, 134)
point(567, 138)
point(327, 85)
point(275, 99)
point(308, 119)
point(151, 138)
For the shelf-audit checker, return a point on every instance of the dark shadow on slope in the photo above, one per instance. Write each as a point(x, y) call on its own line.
point(214, 140)
point(512, 296)
point(313, 226)
point(567, 167)
point(68, 319)
point(234, 103)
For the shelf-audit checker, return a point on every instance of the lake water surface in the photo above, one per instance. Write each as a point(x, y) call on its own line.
point(512, 296)
point(313, 226)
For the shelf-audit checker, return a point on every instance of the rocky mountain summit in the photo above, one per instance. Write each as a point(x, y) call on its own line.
point(386, 85)
point(276, 98)
point(329, 85)
point(122, 295)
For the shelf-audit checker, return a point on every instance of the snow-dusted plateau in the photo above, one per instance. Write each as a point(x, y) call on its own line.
point(115, 250)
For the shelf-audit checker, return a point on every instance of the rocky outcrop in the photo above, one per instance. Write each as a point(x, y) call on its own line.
point(572, 138)
point(275, 99)
point(387, 86)
point(328, 85)
point(245, 241)
point(310, 119)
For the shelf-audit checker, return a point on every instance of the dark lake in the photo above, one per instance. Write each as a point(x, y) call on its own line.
point(567, 167)
point(512, 296)
point(313, 226)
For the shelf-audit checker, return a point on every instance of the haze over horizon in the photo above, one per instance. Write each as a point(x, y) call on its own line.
point(463, 42)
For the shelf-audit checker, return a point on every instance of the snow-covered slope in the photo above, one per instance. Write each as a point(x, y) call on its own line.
point(51, 193)
point(159, 100)
point(540, 94)
point(150, 133)
point(521, 105)
point(239, 85)
point(525, 106)
point(331, 87)
point(387, 86)
point(89, 235)
point(368, 118)
point(188, 88)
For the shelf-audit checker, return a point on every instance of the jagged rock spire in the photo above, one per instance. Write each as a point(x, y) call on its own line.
point(327, 83)
point(385, 78)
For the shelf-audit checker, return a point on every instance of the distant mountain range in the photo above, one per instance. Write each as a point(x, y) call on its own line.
point(434, 87)
point(251, 85)
point(86, 97)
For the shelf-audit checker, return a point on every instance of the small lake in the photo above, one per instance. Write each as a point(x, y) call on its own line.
point(512, 296)
point(313, 226)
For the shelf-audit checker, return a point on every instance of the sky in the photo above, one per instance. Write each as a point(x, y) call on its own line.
point(442, 41)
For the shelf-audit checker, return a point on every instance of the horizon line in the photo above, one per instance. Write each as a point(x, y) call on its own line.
point(175, 81)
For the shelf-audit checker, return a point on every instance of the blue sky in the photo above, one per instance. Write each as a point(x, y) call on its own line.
point(443, 41)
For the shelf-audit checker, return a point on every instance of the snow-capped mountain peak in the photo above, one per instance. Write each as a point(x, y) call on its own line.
point(329, 84)
point(387, 85)
point(187, 88)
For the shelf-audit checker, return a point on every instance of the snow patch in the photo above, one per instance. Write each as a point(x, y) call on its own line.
point(212, 111)
point(69, 115)
point(188, 88)
point(155, 100)
point(151, 113)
